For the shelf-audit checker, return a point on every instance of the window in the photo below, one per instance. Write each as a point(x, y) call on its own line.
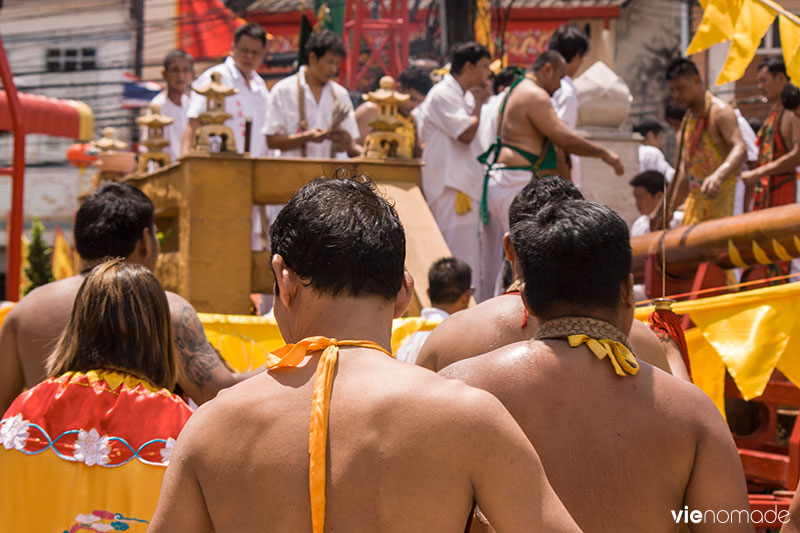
point(71, 59)
point(771, 42)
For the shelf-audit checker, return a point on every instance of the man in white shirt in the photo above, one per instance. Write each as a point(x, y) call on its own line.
point(173, 102)
point(249, 104)
point(452, 178)
point(572, 43)
point(449, 288)
point(303, 128)
point(650, 155)
point(487, 130)
point(648, 191)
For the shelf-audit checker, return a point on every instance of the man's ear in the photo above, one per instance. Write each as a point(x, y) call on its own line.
point(626, 298)
point(508, 247)
point(286, 280)
point(404, 295)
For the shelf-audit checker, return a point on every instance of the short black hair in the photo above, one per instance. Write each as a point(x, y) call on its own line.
point(539, 193)
point(506, 77)
point(552, 57)
point(463, 53)
point(177, 54)
point(774, 66)
point(254, 31)
point(414, 77)
point(681, 67)
point(323, 41)
point(648, 125)
point(755, 123)
point(110, 221)
point(790, 97)
point(652, 180)
point(672, 111)
point(340, 236)
point(570, 41)
point(574, 253)
point(448, 279)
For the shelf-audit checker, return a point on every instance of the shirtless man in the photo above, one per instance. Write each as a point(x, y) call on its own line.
point(406, 451)
point(625, 445)
point(114, 221)
point(502, 320)
point(711, 154)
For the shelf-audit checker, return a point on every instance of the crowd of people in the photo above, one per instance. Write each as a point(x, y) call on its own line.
point(546, 407)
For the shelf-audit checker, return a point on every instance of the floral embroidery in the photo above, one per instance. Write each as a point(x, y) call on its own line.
point(96, 521)
point(13, 432)
point(91, 448)
point(166, 451)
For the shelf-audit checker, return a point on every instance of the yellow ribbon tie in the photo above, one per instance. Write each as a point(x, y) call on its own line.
point(621, 358)
point(292, 355)
point(463, 203)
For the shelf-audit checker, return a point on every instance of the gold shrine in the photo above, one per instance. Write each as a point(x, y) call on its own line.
point(112, 161)
point(214, 136)
point(155, 142)
point(385, 141)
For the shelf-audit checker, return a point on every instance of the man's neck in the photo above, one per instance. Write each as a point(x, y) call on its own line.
point(612, 318)
point(175, 96)
point(462, 82)
point(699, 107)
point(245, 74)
point(312, 81)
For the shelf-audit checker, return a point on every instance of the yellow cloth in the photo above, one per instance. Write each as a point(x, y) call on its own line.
point(752, 23)
point(463, 203)
point(63, 264)
point(719, 18)
point(483, 25)
point(292, 355)
point(790, 42)
point(620, 357)
point(750, 333)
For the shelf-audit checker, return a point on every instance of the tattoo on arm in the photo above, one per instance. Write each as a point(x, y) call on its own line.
point(197, 356)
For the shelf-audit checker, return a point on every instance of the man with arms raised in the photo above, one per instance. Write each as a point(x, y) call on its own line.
point(114, 221)
point(624, 444)
point(529, 132)
point(392, 447)
point(503, 320)
point(711, 151)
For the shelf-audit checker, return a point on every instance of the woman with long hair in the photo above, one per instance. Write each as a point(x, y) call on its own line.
point(91, 442)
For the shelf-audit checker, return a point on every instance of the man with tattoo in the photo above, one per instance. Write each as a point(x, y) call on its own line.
point(114, 221)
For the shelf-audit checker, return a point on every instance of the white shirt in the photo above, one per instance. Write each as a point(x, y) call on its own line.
point(410, 349)
point(565, 102)
point(641, 226)
point(446, 114)
point(250, 102)
point(651, 158)
point(417, 114)
point(748, 135)
point(284, 113)
point(174, 132)
point(490, 115)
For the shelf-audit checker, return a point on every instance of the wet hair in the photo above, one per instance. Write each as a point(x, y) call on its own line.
point(574, 254)
point(539, 193)
point(774, 66)
point(321, 42)
point(448, 279)
point(755, 124)
point(463, 53)
point(177, 54)
point(651, 180)
point(648, 125)
point(120, 321)
point(341, 237)
point(681, 67)
point(254, 31)
point(416, 78)
point(790, 97)
point(507, 276)
point(506, 77)
point(552, 57)
point(569, 41)
point(111, 220)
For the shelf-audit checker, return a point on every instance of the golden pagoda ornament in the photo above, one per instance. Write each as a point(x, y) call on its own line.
point(155, 142)
point(112, 161)
point(384, 141)
point(214, 136)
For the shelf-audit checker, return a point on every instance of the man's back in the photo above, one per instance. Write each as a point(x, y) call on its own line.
point(621, 452)
point(407, 451)
point(518, 127)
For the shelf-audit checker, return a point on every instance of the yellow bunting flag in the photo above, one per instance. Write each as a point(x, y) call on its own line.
point(790, 41)
point(752, 23)
point(62, 256)
point(24, 281)
point(719, 18)
point(483, 25)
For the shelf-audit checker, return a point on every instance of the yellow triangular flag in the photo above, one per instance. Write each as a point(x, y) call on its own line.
point(62, 256)
point(24, 281)
point(790, 42)
point(752, 23)
point(719, 19)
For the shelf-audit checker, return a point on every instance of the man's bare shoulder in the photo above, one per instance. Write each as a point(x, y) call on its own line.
point(55, 295)
point(474, 331)
point(494, 366)
point(721, 110)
